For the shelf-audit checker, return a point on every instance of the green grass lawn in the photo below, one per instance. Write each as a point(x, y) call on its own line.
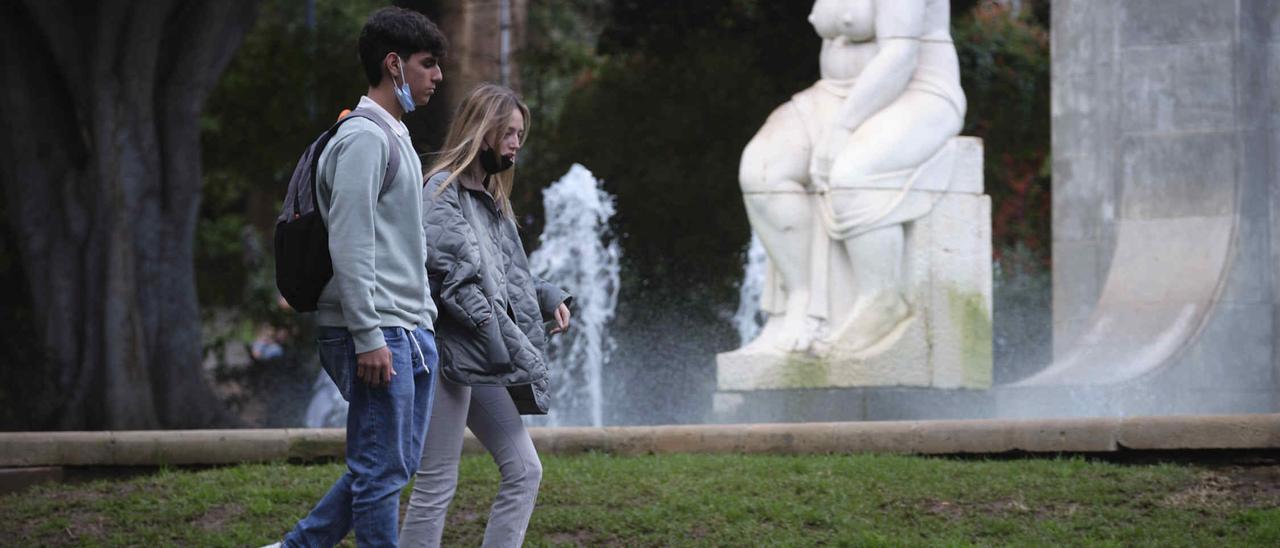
point(706, 500)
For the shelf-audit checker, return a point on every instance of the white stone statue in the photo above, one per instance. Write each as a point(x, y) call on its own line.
point(834, 166)
point(872, 213)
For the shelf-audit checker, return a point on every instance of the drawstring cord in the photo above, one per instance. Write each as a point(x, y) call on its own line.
point(421, 357)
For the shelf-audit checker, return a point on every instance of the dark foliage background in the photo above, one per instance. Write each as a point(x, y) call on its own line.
point(662, 118)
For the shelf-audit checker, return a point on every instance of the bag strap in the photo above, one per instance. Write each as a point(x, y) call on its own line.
point(393, 158)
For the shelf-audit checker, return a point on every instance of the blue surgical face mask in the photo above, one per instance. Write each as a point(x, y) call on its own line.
point(402, 91)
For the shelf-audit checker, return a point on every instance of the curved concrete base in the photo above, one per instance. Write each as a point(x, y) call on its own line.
point(1165, 231)
point(1088, 435)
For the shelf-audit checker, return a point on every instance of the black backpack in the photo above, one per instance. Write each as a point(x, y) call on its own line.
point(303, 265)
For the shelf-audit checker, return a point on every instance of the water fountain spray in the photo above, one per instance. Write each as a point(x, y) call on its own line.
point(748, 320)
point(576, 253)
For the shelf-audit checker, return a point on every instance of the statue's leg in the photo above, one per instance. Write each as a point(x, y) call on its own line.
point(879, 303)
point(773, 175)
point(902, 136)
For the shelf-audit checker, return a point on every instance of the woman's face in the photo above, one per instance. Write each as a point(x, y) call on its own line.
point(509, 141)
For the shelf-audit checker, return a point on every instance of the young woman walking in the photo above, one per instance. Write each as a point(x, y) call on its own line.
point(491, 329)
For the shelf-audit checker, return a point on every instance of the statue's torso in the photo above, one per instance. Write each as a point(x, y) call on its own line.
point(852, 19)
point(849, 33)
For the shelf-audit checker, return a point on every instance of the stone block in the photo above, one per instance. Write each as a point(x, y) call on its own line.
point(1258, 152)
point(1173, 260)
point(906, 403)
point(1245, 329)
point(1082, 110)
point(1161, 286)
point(766, 438)
point(1260, 20)
point(1185, 87)
point(1162, 399)
point(693, 439)
point(1259, 101)
point(1249, 278)
point(1225, 432)
point(54, 448)
point(877, 437)
point(872, 403)
point(569, 440)
point(309, 444)
point(946, 341)
point(637, 440)
point(958, 312)
point(1153, 22)
point(1123, 342)
point(1179, 175)
point(1063, 435)
point(1084, 33)
point(1077, 284)
point(992, 436)
point(1030, 401)
point(1270, 98)
point(1082, 186)
point(966, 168)
point(729, 407)
point(1272, 176)
point(142, 448)
point(747, 371)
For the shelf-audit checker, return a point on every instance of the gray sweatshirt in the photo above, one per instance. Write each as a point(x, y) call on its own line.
point(377, 244)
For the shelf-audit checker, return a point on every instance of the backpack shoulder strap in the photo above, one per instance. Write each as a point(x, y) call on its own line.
point(393, 157)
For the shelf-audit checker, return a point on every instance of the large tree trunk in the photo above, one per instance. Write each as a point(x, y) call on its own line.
point(100, 162)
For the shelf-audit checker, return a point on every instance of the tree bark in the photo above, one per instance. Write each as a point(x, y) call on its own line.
point(100, 163)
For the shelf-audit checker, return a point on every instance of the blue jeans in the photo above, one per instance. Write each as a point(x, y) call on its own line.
point(385, 430)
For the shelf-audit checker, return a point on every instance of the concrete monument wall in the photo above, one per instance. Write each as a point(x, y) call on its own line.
point(1166, 145)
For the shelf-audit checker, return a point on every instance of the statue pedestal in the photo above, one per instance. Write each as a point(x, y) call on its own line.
point(946, 341)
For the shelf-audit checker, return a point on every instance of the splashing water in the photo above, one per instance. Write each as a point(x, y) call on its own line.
point(576, 252)
point(748, 319)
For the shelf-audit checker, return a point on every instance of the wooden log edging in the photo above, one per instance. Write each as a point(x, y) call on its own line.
point(986, 436)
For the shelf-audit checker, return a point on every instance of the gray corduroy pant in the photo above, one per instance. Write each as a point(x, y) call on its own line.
point(493, 418)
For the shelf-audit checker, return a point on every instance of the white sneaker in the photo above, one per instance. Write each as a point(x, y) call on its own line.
point(273, 545)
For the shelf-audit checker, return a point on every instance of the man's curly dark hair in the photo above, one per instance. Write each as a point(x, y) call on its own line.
point(399, 30)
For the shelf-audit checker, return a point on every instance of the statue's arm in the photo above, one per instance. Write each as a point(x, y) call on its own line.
point(899, 26)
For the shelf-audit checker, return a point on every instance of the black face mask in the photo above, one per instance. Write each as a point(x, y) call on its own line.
point(493, 163)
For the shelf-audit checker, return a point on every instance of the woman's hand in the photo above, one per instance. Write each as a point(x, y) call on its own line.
point(562, 319)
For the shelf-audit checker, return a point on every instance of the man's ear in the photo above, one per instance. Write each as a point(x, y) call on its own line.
point(391, 64)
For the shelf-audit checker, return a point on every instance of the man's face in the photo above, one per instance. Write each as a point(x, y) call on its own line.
point(422, 72)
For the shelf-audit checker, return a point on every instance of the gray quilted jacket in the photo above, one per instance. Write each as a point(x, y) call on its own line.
point(491, 329)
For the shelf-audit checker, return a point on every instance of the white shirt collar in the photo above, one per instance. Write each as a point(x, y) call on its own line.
point(396, 125)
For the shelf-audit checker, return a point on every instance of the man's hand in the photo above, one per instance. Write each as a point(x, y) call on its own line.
point(374, 367)
point(562, 319)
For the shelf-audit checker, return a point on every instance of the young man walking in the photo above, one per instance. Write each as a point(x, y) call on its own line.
point(376, 336)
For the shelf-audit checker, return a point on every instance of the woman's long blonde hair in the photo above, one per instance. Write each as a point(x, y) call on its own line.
point(483, 115)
